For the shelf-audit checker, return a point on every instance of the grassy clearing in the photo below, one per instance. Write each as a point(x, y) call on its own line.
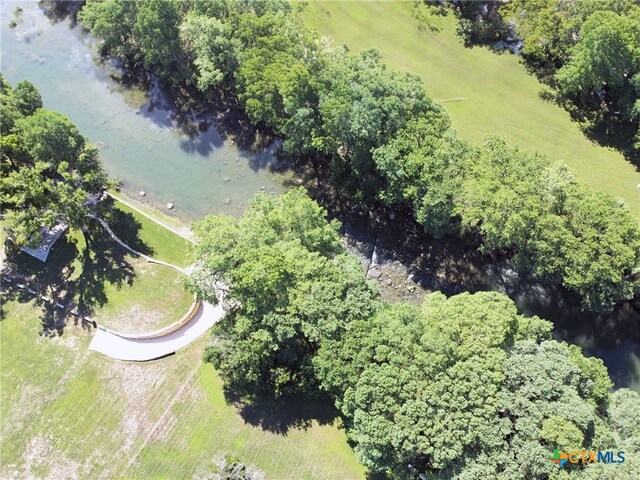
point(67, 412)
point(484, 93)
point(102, 280)
point(71, 413)
point(148, 237)
point(287, 441)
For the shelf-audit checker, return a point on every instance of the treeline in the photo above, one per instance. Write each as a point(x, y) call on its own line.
point(379, 136)
point(588, 49)
point(49, 170)
point(459, 388)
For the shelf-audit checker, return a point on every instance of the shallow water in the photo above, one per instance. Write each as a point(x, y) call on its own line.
point(139, 144)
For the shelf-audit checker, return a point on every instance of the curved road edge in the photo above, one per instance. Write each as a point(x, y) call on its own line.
point(143, 349)
point(157, 344)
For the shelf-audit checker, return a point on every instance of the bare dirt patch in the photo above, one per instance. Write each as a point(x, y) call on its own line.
point(136, 320)
point(43, 461)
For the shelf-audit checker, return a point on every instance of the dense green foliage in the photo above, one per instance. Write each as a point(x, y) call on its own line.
point(555, 228)
point(463, 387)
point(291, 283)
point(381, 138)
point(49, 170)
point(607, 56)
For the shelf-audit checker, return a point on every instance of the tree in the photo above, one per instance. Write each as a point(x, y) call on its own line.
point(604, 249)
point(275, 80)
point(423, 387)
point(422, 167)
point(466, 388)
point(293, 286)
point(156, 31)
point(212, 48)
point(553, 227)
point(608, 54)
point(49, 170)
point(26, 98)
point(551, 28)
point(112, 22)
point(8, 111)
point(363, 105)
point(588, 49)
point(49, 137)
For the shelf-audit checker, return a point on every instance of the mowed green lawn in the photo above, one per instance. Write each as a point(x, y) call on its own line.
point(484, 93)
point(285, 441)
point(104, 281)
point(67, 412)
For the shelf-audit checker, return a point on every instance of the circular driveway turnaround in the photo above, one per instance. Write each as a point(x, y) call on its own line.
point(121, 347)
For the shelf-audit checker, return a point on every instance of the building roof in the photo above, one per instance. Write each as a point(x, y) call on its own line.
point(49, 237)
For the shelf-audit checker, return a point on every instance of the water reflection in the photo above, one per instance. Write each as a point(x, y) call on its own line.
point(614, 337)
point(215, 167)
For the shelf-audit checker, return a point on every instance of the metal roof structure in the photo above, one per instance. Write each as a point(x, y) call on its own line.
point(49, 237)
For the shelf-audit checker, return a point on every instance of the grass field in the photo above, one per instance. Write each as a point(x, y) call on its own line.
point(162, 243)
point(67, 412)
point(103, 281)
point(484, 93)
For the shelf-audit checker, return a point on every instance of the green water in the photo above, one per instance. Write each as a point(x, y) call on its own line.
point(139, 146)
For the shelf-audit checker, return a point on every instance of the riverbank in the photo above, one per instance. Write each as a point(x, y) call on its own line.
point(407, 264)
point(166, 221)
point(212, 169)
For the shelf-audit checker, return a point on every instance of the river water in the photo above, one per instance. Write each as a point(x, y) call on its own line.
point(141, 145)
point(139, 141)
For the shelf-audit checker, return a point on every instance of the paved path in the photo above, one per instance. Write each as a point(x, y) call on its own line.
point(133, 348)
point(120, 347)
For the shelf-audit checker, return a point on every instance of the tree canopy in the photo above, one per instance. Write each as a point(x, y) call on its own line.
point(292, 285)
point(555, 228)
point(459, 388)
point(375, 133)
point(48, 168)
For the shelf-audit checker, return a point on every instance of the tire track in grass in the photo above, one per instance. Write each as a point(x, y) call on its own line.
point(156, 426)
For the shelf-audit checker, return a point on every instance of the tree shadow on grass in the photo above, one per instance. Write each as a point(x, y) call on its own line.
point(280, 415)
point(74, 278)
point(617, 135)
point(608, 130)
point(49, 279)
point(103, 262)
point(127, 228)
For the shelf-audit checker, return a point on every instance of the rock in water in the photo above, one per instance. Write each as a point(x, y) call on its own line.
point(142, 193)
point(170, 206)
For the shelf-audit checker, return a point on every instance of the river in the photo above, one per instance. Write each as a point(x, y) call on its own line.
point(139, 141)
point(141, 145)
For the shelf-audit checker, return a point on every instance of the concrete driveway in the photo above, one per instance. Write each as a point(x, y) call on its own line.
point(120, 347)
